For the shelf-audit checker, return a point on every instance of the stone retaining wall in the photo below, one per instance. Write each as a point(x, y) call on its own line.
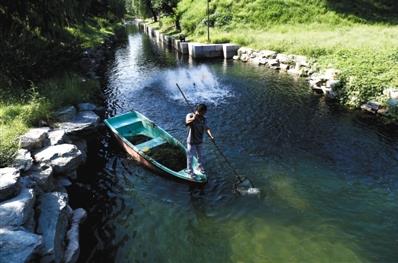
point(195, 50)
point(37, 223)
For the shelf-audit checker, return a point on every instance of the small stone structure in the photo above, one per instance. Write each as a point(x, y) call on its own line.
point(37, 223)
point(199, 50)
point(229, 50)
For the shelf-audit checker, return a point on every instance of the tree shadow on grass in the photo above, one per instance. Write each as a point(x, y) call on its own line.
point(373, 11)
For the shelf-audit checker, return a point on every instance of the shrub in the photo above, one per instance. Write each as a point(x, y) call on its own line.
point(69, 89)
point(220, 40)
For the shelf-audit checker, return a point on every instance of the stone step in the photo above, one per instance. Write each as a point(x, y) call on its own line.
point(18, 245)
point(53, 224)
point(63, 158)
point(18, 211)
point(34, 138)
point(8, 183)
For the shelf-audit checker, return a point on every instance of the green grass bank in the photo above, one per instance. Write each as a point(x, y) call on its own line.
point(23, 107)
point(359, 37)
point(17, 115)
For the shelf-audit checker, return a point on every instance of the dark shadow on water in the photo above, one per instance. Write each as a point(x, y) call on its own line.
point(91, 191)
point(374, 11)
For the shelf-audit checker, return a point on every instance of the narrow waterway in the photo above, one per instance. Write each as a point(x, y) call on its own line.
point(329, 178)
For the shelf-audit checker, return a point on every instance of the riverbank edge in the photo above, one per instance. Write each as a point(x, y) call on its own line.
point(327, 82)
point(22, 107)
point(37, 220)
point(38, 224)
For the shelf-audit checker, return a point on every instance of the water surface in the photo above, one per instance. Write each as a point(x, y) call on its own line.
point(328, 177)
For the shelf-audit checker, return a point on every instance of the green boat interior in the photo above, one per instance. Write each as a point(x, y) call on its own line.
point(137, 139)
point(169, 155)
point(150, 140)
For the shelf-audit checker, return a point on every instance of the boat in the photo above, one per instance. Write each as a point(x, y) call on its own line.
point(153, 147)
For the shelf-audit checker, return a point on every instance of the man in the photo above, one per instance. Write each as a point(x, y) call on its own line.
point(196, 123)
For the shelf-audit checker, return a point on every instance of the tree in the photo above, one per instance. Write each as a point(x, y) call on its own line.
point(155, 8)
point(33, 35)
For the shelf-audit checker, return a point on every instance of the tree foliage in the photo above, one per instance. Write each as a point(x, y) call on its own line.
point(153, 8)
point(34, 40)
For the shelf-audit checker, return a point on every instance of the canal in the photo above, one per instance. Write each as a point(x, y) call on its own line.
point(328, 177)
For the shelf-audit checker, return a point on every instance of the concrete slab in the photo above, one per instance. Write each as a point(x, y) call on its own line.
point(183, 48)
point(230, 50)
point(176, 44)
point(199, 50)
point(167, 40)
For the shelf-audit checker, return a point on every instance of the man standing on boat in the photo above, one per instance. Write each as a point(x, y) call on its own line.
point(196, 123)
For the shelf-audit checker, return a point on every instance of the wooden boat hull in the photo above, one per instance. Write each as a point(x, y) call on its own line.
point(123, 125)
point(135, 155)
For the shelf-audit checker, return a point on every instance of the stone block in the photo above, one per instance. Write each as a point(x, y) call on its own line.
point(73, 247)
point(184, 47)
point(63, 158)
point(41, 177)
point(86, 106)
point(17, 211)
point(230, 50)
point(176, 44)
point(273, 62)
point(270, 54)
point(8, 182)
point(167, 40)
point(84, 121)
point(53, 224)
point(284, 59)
point(262, 61)
point(198, 50)
point(371, 106)
point(244, 57)
point(391, 93)
point(34, 138)
point(18, 246)
point(23, 161)
point(65, 113)
point(57, 136)
point(284, 67)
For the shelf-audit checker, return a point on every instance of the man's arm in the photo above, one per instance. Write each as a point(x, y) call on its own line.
point(209, 133)
point(189, 118)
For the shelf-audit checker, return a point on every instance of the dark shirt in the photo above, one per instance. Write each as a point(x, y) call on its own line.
point(196, 129)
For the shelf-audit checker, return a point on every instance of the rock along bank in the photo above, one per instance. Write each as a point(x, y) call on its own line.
point(37, 223)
